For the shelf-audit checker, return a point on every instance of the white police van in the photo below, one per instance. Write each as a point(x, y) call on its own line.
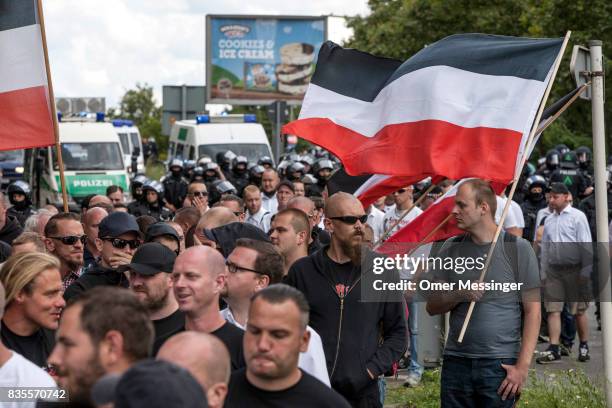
point(92, 156)
point(131, 143)
point(209, 135)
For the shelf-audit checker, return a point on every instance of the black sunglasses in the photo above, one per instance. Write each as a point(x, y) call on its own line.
point(401, 191)
point(233, 268)
point(199, 194)
point(351, 219)
point(72, 239)
point(122, 243)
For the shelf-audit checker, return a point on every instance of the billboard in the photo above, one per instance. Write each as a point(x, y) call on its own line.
point(252, 60)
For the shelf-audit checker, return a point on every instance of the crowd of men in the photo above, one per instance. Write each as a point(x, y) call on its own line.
point(229, 283)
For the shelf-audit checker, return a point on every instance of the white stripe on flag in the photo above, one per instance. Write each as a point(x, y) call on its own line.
point(371, 182)
point(22, 63)
point(440, 93)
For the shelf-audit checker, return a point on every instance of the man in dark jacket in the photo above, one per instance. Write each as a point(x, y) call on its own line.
point(349, 328)
point(118, 238)
point(9, 226)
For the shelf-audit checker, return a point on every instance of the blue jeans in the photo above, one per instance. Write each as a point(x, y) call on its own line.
point(473, 382)
point(413, 326)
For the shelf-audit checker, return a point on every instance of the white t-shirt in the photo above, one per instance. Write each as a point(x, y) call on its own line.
point(514, 218)
point(392, 216)
point(20, 372)
point(375, 220)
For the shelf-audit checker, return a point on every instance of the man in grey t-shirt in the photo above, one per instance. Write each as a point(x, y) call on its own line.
point(490, 366)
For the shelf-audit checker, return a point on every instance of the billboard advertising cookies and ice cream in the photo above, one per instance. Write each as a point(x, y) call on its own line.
point(257, 59)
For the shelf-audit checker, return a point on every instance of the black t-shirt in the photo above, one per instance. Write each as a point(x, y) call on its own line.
point(307, 392)
point(166, 328)
point(35, 348)
point(232, 336)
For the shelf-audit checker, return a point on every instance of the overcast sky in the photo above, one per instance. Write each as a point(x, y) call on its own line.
point(102, 48)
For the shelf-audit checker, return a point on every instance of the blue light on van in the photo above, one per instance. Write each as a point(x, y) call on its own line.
point(117, 122)
point(202, 119)
point(100, 116)
point(250, 118)
point(128, 122)
point(59, 116)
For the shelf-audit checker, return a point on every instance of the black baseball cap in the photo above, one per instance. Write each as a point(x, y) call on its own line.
point(150, 384)
point(160, 229)
point(559, 188)
point(116, 224)
point(150, 259)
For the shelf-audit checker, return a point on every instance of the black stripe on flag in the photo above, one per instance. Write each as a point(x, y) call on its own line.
point(17, 13)
point(341, 181)
point(351, 72)
point(362, 76)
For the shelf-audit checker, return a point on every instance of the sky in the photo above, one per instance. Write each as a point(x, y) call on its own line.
point(103, 48)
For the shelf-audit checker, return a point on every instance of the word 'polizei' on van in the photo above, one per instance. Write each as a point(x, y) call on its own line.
point(93, 160)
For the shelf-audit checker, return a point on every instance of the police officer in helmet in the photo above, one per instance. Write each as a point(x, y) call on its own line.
point(20, 196)
point(533, 202)
point(569, 174)
point(153, 202)
point(175, 186)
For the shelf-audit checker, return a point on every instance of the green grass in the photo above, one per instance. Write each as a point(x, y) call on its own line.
point(559, 389)
point(155, 170)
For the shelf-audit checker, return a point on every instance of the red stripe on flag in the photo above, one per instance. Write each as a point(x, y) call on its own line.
point(26, 121)
point(434, 147)
point(390, 185)
point(406, 239)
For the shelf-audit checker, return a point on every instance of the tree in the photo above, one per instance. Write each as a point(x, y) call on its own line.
point(400, 28)
point(140, 106)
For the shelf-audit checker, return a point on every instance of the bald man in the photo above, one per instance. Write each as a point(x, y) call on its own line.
point(198, 279)
point(91, 222)
point(331, 281)
point(205, 357)
point(215, 217)
point(101, 201)
point(318, 237)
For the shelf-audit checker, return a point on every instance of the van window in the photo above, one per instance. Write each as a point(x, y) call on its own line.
point(90, 156)
point(191, 153)
point(135, 142)
point(125, 144)
point(253, 151)
point(179, 150)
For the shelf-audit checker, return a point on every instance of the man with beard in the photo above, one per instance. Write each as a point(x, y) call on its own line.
point(91, 223)
point(534, 201)
point(33, 305)
point(104, 331)
point(276, 334)
point(151, 281)
point(318, 237)
point(198, 278)
point(18, 372)
point(289, 233)
point(65, 238)
point(269, 182)
point(331, 281)
point(118, 238)
point(175, 187)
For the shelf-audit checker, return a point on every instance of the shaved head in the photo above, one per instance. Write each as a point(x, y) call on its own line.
point(216, 217)
point(99, 199)
point(338, 204)
point(202, 354)
point(95, 214)
point(204, 258)
point(302, 203)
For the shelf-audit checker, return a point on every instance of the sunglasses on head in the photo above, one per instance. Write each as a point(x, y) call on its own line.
point(122, 243)
point(71, 239)
point(199, 194)
point(351, 219)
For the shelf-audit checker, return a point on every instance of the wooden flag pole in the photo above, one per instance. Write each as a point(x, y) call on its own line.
point(417, 202)
point(515, 181)
point(58, 146)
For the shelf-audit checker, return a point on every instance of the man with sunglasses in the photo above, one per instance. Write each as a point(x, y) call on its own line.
point(404, 203)
point(235, 205)
point(197, 196)
point(198, 278)
point(118, 238)
point(64, 238)
point(350, 329)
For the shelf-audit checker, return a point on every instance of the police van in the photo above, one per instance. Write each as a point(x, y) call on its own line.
point(93, 160)
point(210, 135)
point(131, 143)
